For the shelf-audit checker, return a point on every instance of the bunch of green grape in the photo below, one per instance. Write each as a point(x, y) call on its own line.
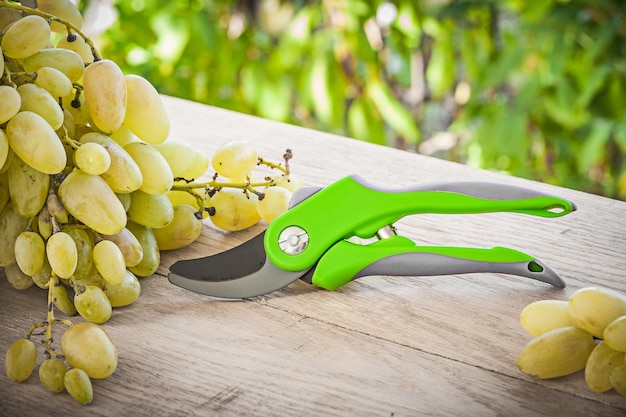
point(586, 332)
point(92, 189)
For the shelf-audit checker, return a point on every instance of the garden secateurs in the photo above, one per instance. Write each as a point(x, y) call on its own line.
point(314, 240)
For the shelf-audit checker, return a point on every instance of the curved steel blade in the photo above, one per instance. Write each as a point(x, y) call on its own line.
point(241, 272)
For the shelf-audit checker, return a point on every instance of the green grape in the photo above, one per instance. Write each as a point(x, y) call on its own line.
point(105, 92)
point(78, 45)
point(92, 158)
point(125, 293)
point(42, 277)
point(151, 255)
point(16, 278)
point(123, 175)
point(44, 223)
point(37, 100)
point(235, 159)
point(156, 173)
point(54, 82)
point(78, 385)
point(28, 188)
point(25, 37)
point(89, 199)
point(4, 150)
point(8, 16)
point(93, 305)
point(68, 62)
point(88, 347)
point(184, 229)
point(62, 254)
point(4, 191)
point(234, 210)
point(62, 300)
point(145, 114)
point(56, 208)
point(109, 261)
point(52, 375)
point(290, 182)
point(21, 359)
point(36, 143)
point(75, 107)
point(63, 9)
point(599, 366)
point(30, 252)
point(274, 203)
point(615, 334)
point(154, 211)
point(83, 240)
point(545, 315)
point(69, 124)
point(10, 102)
point(129, 246)
point(556, 353)
point(184, 160)
point(617, 377)
point(123, 136)
point(594, 308)
point(11, 224)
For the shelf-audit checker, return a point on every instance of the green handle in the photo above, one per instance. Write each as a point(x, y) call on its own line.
point(399, 256)
point(351, 207)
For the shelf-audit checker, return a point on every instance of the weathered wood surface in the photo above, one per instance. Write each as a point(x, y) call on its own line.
point(379, 346)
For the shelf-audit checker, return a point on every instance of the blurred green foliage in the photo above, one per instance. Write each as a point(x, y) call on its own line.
point(532, 88)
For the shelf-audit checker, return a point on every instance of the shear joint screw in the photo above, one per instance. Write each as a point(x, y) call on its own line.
point(293, 240)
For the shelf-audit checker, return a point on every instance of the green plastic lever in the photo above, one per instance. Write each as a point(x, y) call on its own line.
point(352, 207)
point(399, 256)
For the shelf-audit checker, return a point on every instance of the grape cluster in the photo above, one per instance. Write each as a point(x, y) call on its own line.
point(92, 189)
point(586, 332)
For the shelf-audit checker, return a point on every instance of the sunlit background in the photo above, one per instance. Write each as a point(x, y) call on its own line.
point(535, 89)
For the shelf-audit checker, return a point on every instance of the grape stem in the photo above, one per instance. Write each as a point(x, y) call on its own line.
point(52, 18)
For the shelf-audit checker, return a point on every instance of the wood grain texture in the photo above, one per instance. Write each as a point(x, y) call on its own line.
point(379, 346)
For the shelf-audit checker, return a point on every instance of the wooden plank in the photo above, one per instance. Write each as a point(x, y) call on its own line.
point(378, 346)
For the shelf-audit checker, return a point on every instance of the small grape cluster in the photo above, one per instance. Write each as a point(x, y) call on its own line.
point(92, 189)
point(586, 332)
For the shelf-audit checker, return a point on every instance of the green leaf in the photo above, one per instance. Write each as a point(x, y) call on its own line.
point(364, 123)
point(440, 73)
point(592, 149)
point(393, 112)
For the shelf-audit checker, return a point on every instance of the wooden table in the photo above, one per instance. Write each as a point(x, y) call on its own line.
point(379, 346)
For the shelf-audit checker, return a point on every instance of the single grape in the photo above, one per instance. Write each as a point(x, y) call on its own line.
point(30, 252)
point(91, 200)
point(151, 255)
point(11, 224)
point(21, 359)
point(618, 379)
point(28, 188)
point(184, 160)
point(54, 82)
point(77, 45)
point(235, 159)
point(156, 172)
point(290, 182)
point(594, 308)
point(62, 254)
point(25, 37)
point(274, 203)
point(109, 261)
point(10, 102)
point(52, 375)
point(87, 346)
point(105, 92)
point(615, 334)
point(62, 300)
point(145, 113)
point(93, 305)
point(83, 239)
point(545, 315)
point(184, 229)
point(38, 100)
point(78, 384)
point(556, 353)
point(129, 246)
point(599, 366)
point(150, 210)
point(36, 143)
point(68, 62)
point(4, 150)
point(16, 278)
point(63, 9)
point(56, 208)
point(125, 293)
point(234, 210)
point(92, 158)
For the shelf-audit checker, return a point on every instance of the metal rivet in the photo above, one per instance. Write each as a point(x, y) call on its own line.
point(293, 240)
